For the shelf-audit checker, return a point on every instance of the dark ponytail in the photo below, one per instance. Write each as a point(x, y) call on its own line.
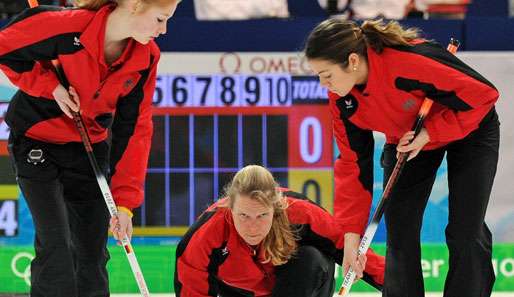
point(379, 34)
point(335, 39)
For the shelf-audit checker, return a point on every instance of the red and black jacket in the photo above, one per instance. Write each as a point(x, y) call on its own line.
point(212, 254)
point(117, 96)
point(398, 81)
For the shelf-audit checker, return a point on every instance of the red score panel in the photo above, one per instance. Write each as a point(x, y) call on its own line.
point(310, 136)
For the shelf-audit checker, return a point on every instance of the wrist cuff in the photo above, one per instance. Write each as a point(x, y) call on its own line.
point(126, 210)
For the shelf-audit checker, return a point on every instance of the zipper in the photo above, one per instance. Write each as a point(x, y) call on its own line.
point(110, 70)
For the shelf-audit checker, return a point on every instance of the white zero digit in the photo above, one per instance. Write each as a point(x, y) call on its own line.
point(311, 125)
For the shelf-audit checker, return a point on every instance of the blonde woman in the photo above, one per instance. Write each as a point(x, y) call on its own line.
point(262, 240)
point(108, 55)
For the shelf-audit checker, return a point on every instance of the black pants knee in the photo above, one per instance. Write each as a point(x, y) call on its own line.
point(70, 218)
point(309, 274)
point(471, 169)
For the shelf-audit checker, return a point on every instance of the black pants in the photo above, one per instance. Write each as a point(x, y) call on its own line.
point(471, 169)
point(69, 214)
point(309, 274)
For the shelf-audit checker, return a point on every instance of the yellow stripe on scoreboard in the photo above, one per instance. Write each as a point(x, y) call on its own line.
point(160, 231)
point(9, 192)
point(318, 185)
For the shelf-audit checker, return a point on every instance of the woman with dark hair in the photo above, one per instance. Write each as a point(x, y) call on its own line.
point(262, 240)
point(378, 75)
point(109, 58)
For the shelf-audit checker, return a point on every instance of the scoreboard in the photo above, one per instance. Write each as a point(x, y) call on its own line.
point(236, 90)
point(207, 127)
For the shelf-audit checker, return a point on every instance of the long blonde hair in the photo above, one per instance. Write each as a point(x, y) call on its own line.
point(96, 4)
point(336, 38)
point(256, 182)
